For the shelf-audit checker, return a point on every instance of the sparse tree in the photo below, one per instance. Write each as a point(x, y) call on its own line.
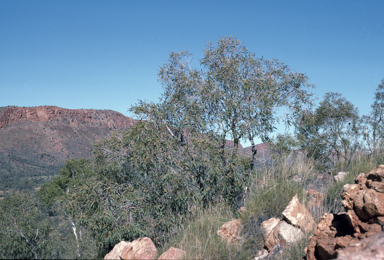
point(374, 123)
point(234, 95)
point(332, 130)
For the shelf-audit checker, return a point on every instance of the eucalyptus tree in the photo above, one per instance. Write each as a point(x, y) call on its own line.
point(374, 122)
point(233, 94)
point(332, 130)
point(25, 230)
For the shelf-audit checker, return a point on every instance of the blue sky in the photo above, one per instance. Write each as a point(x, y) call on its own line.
point(105, 54)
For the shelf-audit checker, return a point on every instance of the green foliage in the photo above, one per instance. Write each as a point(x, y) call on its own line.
point(283, 144)
point(330, 133)
point(373, 123)
point(234, 95)
point(25, 231)
point(148, 180)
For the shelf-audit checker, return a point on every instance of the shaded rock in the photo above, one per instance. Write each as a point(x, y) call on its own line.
point(333, 232)
point(230, 231)
point(349, 194)
point(142, 248)
point(297, 215)
point(172, 253)
point(361, 179)
point(376, 174)
point(364, 202)
point(368, 248)
point(377, 186)
point(116, 251)
point(268, 225)
point(261, 254)
point(340, 176)
point(283, 233)
point(368, 204)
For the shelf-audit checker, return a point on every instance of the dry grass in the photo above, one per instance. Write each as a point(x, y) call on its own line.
point(270, 189)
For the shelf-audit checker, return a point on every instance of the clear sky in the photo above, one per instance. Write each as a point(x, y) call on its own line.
point(104, 54)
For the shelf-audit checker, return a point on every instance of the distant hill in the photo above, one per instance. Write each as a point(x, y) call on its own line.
point(36, 141)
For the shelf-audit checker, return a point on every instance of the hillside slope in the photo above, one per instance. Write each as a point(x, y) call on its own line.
point(36, 141)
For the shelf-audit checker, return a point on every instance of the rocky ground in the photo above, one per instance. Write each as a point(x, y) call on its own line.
point(355, 234)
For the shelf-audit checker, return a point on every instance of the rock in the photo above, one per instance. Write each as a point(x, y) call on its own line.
point(172, 254)
point(340, 176)
point(298, 216)
point(230, 231)
point(376, 174)
point(364, 202)
point(377, 186)
point(268, 225)
point(349, 195)
point(116, 251)
point(283, 233)
point(142, 248)
point(361, 179)
point(368, 204)
point(368, 248)
point(261, 254)
point(334, 231)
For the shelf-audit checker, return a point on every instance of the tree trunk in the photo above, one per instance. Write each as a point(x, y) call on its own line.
point(254, 152)
point(77, 240)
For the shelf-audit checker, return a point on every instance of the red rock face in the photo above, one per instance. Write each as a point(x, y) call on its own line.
point(74, 117)
point(36, 141)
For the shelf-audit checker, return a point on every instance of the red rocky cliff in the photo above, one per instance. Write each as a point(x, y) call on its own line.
point(107, 118)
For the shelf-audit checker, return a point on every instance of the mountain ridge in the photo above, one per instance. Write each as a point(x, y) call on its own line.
point(36, 141)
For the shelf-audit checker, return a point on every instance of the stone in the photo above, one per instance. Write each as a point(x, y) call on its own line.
point(369, 204)
point(333, 232)
point(361, 179)
point(268, 225)
point(116, 251)
point(142, 248)
point(230, 231)
point(377, 186)
point(349, 194)
point(298, 216)
point(358, 233)
point(283, 233)
point(340, 176)
point(376, 174)
point(368, 248)
point(261, 254)
point(172, 253)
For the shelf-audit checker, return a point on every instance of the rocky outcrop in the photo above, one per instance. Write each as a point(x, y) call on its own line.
point(142, 248)
point(277, 233)
point(364, 217)
point(230, 231)
point(172, 253)
point(283, 233)
point(74, 117)
point(297, 215)
point(369, 248)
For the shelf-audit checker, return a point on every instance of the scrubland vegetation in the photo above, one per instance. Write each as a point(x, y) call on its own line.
point(172, 177)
